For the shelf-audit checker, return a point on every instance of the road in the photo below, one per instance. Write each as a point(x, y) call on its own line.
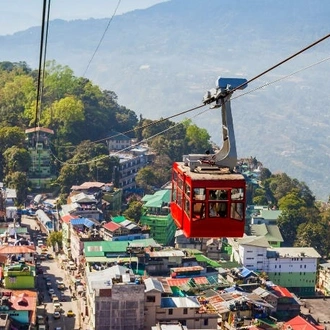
point(52, 269)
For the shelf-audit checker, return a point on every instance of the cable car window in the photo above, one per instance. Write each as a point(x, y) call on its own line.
point(199, 194)
point(237, 211)
point(218, 194)
point(187, 207)
point(187, 189)
point(218, 209)
point(237, 194)
point(174, 194)
point(179, 198)
point(198, 211)
point(180, 183)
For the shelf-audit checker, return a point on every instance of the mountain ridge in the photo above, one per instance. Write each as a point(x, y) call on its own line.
point(161, 60)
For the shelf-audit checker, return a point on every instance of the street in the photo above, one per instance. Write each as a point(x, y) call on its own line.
point(51, 274)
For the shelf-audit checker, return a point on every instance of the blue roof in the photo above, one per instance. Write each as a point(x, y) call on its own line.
point(82, 221)
point(244, 272)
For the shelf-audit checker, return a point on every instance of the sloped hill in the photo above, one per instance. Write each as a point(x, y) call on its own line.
point(161, 61)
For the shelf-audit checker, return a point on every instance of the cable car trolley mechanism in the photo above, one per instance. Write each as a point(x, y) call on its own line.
point(208, 194)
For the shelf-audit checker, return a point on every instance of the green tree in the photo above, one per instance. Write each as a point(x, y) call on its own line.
point(134, 211)
point(16, 160)
point(55, 238)
point(19, 182)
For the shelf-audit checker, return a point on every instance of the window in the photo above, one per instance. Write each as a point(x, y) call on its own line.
point(151, 299)
point(206, 321)
point(170, 311)
point(185, 311)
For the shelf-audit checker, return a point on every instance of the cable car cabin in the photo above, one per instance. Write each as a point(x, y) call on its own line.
point(208, 202)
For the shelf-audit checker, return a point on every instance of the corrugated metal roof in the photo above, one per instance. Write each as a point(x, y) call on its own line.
point(9, 249)
point(82, 221)
point(180, 302)
point(167, 253)
point(112, 226)
point(177, 281)
point(153, 284)
point(187, 269)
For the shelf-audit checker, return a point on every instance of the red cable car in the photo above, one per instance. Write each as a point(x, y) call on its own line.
point(208, 195)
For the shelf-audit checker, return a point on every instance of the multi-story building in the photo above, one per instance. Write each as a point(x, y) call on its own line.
point(40, 173)
point(323, 282)
point(270, 232)
point(118, 141)
point(292, 267)
point(115, 298)
point(157, 217)
point(162, 307)
point(19, 275)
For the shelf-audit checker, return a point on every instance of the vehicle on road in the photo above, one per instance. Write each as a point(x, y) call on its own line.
point(48, 284)
point(40, 243)
point(51, 291)
point(60, 285)
point(70, 313)
point(50, 256)
point(43, 256)
point(57, 315)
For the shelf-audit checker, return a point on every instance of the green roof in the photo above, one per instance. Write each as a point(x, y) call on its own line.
point(158, 199)
point(118, 219)
point(101, 248)
point(270, 232)
point(210, 262)
point(18, 230)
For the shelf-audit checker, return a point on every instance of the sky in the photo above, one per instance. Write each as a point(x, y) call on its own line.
point(19, 15)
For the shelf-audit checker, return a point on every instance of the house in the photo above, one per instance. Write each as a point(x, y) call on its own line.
point(188, 311)
point(17, 252)
point(157, 217)
point(118, 141)
point(299, 323)
point(40, 172)
point(115, 298)
point(126, 230)
point(323, 282)
point(292, 267)
point(19, 275)
point(20, 306)
point(270, 232)
point(287, 303)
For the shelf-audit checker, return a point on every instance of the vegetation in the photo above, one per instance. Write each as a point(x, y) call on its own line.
point(82, 117)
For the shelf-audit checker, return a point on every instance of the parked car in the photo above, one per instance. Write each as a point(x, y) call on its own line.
point(50, 256)
point(57, 315)
point(70, 313)
point(51, 291)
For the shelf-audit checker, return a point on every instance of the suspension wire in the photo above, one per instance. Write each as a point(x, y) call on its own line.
point(133, 145)
point(152, 123)
point(100, 42)
point(44, 59)
point(37, 118)
point(202, 105)
point(282, 62)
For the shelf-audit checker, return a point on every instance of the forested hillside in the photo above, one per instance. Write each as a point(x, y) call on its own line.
point(161, 61)
point(82, 115)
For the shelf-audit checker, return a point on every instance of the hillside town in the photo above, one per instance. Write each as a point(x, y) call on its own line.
point(109, 272)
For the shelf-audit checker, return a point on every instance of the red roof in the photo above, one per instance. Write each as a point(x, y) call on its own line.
point(177, 281)
point(111, 226)
point(15, 249)
point(201, 280)
point(282, 292)
point(67, 218)
point(298, 323)
point(29, 297)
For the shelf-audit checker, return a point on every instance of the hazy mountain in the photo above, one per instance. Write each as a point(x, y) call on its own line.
point(161, 60)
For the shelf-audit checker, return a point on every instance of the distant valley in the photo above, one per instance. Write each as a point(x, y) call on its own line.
point(161, 60)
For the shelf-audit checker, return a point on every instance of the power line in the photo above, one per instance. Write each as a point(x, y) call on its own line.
point(100, 42)
point(202, 105)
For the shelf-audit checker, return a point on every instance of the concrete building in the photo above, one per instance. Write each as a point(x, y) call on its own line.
point(40, 173)
point(116, 299)
point(323, 282)
point(157, 217)
point(292, 267)
point(188, 311)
